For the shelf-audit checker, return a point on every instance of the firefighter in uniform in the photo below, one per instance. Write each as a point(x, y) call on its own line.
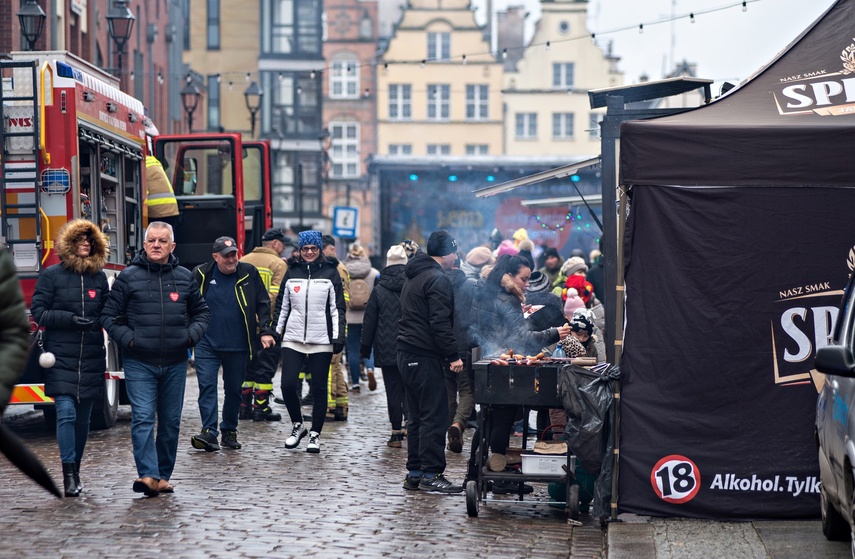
point(258, 385)
point(337, 403)
point(160, 201)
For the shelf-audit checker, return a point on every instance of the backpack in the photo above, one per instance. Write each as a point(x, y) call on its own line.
point(360, 291)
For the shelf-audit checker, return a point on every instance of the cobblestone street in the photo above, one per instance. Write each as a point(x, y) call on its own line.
point(266, 501)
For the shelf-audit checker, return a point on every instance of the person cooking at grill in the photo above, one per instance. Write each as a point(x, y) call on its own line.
point(501, 325)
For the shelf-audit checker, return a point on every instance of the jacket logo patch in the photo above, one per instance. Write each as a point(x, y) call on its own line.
point(91, 293)
point(297, 289)
point(174, 296)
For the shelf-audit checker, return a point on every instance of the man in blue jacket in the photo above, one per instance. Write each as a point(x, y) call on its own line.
point(426, 345)
point(240, 310)
point(155, 313)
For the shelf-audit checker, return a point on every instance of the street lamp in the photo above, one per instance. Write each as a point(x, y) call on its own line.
point(120, 21)
point(32, 19)
point(252, 96)
point(190, 99)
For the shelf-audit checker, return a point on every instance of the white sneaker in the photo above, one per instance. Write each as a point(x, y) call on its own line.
point(297, 434)
point(314, 443)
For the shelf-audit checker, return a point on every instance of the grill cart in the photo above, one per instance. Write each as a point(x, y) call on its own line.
point(534, 386)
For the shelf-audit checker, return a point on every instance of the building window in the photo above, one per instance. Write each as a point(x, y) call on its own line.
point(562, 126)
point(476, 102)
point(400, 96)
point(294, 27)
point(296, 184)
point(438, 101)
point(477, 149)
point(439, 46)
point(400, 149)
point(562, 74)
point(213, 95)
point(344, 79)
point(293, 107)
point(213, 27)
point(345, 150)
point(438, 149)
point(185, 16)
point(526, 125)
point(594, 120)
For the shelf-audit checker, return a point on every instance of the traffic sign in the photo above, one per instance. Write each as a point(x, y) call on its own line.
point(345, 221)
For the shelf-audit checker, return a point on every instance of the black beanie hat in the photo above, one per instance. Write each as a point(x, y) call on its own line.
point(441, 243)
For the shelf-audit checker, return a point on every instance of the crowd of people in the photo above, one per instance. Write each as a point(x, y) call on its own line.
point(418, 322)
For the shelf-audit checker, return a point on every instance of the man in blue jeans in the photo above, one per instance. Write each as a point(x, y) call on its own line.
point(155, 313)
point(240, 310)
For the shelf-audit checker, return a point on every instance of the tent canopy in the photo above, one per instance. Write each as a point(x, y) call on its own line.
point(792, 123)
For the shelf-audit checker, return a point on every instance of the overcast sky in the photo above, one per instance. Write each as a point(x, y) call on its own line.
point(726, 45)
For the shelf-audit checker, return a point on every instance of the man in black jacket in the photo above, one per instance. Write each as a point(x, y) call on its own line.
point(240, 309)
point(426, 345)
point(155, 313)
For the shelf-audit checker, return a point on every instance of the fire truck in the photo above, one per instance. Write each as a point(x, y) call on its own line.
point(73, 146)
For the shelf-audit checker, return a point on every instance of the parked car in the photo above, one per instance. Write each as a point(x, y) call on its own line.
point(835, 425)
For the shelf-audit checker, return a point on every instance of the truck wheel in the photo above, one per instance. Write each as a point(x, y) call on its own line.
point(104, 412)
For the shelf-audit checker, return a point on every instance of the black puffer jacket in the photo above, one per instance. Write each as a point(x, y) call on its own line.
point(76, 286)
point(380, 323)
point(464, 295)
point(158, 307)
point(13, 327)
point(500, 324)
point(427, 311)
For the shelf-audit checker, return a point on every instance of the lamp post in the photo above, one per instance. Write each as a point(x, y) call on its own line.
point(190, 99)
point(252, 96)
point(32, 19)
point(120, 21)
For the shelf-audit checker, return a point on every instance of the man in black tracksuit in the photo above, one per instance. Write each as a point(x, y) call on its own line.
point(426, 345)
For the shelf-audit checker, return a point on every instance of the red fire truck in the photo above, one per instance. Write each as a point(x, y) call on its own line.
point(73, 146)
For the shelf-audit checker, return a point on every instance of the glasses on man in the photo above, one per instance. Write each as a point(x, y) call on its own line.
point(309, 249)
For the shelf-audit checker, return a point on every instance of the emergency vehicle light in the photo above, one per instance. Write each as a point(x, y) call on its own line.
point(63, 70)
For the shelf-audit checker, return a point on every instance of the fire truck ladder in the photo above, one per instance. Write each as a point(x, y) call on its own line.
point(15, 172)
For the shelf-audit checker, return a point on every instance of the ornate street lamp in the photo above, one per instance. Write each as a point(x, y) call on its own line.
point(120, 21)
point(190, 95)
point(32, 19)
point(252, 96)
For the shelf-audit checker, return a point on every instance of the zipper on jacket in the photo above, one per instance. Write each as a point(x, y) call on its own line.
point(82, 335)
point(306, 305)
point(162, 314)
point(243, 307)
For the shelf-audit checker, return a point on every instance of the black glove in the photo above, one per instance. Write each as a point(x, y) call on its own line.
point(365, 351)
point(82, 323)
point(337, 348)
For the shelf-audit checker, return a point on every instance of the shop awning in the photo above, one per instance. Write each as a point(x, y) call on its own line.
point(556, 173)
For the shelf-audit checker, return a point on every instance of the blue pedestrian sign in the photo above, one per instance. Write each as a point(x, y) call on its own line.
point(345, 221)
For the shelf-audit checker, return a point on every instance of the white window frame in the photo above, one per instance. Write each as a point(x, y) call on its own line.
point(477, 149)
point(401, 99)
point(477, 102)
point(344, 150)
point(439, 149)
point(563, 125)
point(344, 78)
point(527, 123)
point(439, 101)
point(563, 74)
point(400, 149)
point(439, 45)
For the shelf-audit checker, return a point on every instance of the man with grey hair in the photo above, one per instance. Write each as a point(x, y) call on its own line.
point(155, 312)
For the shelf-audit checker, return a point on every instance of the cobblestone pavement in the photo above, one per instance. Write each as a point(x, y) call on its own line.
point(266, 501)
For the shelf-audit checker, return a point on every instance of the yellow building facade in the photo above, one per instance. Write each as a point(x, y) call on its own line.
point(438, 85)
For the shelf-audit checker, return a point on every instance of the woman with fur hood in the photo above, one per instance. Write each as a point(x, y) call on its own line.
point(501, 325)
point(67, 303)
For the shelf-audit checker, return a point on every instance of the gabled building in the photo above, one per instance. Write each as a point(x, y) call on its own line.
point(547, 111)
point(438, 85)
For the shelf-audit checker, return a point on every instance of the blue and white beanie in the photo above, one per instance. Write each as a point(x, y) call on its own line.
point(309, 238)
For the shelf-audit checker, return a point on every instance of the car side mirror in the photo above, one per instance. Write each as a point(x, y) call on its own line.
point(835, 360)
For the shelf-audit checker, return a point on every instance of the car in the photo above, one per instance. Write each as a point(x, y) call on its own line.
point(835, 424)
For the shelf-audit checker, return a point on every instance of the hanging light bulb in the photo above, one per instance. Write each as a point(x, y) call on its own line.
point(230, 85)
point(219, 78)
point(744, 6)
point(464, 59)
point(312, 73)
point(247, 76)
point(640, 28)
point(422, 65)
point(691, 18)
point(132, 76)
point(504, 54)
point(547, 45)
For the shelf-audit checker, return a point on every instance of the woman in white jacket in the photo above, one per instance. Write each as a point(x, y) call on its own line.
point(311, 328)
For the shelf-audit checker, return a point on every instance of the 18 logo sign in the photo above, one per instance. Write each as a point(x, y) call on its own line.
point(675, 479)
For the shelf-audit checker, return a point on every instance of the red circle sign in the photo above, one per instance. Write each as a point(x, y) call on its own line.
point(675, 479)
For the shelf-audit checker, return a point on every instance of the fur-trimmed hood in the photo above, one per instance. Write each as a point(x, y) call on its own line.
point(509, 286)
point(66, 248)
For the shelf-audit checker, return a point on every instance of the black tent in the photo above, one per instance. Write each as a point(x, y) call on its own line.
point(738, 244)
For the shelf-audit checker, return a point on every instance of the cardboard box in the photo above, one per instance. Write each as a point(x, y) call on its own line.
point(546, 465)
